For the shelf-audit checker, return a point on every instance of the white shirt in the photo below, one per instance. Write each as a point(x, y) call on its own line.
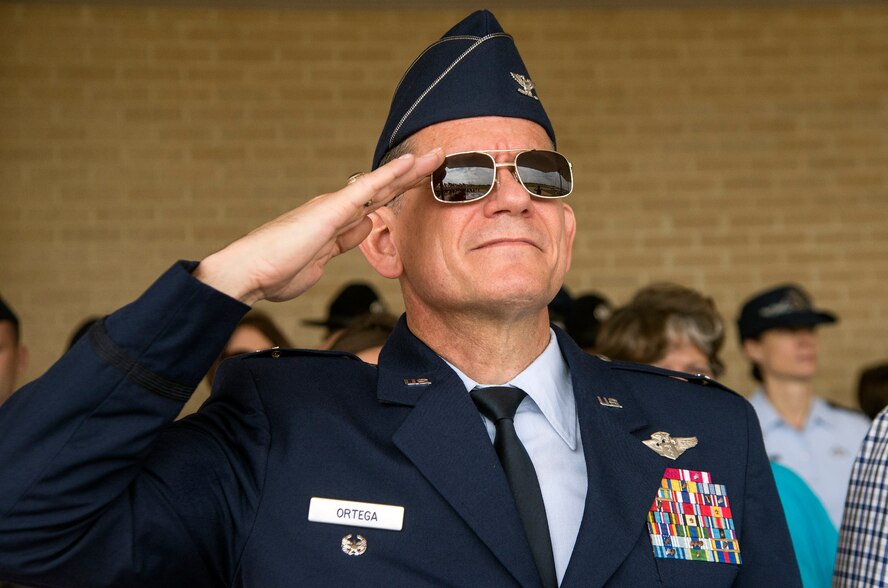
point(546, 423)
point(821, 454)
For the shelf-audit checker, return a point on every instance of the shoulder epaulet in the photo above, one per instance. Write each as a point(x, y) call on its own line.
point(284, 352)
point(699, 379)
point(844, 408)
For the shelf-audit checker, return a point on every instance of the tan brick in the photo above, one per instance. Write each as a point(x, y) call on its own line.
point(728, 148)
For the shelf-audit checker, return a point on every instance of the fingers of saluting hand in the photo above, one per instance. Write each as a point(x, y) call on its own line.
point(342, 215)
point(369, 191)
point(286, 256)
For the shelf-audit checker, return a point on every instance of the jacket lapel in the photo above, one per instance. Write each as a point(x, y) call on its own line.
point(445, 438)
point(623, 474)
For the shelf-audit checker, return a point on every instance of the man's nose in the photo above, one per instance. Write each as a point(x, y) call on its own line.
point(508, 194)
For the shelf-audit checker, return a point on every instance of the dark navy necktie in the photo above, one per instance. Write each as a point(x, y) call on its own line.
point(499, 403)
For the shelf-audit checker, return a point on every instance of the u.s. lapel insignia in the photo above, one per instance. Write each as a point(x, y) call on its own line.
point(356, 546)
point(526, 86)
point(667, 446)
point(609, 402)
point(417, 381)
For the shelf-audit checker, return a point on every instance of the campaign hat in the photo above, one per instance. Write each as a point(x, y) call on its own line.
point(353, 300)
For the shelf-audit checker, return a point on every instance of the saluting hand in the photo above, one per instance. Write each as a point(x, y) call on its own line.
point(285, 257)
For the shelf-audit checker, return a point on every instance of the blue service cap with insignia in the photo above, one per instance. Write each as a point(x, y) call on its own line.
point(782, 306)
point(473, 70)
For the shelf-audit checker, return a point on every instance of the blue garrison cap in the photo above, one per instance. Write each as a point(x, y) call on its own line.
point(783, 306)
point(473, 70)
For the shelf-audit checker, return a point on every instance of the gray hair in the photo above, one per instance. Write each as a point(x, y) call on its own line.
point(404, 147)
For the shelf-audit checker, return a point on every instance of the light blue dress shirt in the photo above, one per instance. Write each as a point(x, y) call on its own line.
point(821, 454)
point(546, 423)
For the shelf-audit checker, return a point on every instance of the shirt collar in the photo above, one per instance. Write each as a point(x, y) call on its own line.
point(547, 382)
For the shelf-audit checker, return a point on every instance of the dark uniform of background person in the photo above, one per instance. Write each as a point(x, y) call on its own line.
point(312, 468)
point(585, 317)
point(13, 354)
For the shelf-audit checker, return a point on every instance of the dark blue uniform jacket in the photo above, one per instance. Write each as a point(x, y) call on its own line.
point(97, 487)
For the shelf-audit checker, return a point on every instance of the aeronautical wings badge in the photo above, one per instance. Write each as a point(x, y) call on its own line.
point(668, 446)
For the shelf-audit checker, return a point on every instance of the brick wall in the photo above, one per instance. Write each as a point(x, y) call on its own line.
point(727, 149)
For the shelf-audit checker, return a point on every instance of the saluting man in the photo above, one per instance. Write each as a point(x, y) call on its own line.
point(486, 449)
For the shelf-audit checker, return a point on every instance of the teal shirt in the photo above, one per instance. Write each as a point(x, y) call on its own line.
point(814, 537)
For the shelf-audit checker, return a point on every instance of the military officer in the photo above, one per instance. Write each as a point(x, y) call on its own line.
point(486, 449)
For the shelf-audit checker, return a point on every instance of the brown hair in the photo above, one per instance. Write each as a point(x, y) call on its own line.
point(658, 314)
point(262, 323)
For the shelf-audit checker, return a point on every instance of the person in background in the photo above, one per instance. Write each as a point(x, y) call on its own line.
point(668, 326)
point(353, 300)
point(677, 328)
point(863, 541)
point(366, 335)
point(13, 354)
point(872, 389)
point(584, 318)
point(255, 332)
point(814, 537)
point(815, 439)
point(559, 308)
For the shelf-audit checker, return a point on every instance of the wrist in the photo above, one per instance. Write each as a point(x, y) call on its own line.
point(216, 272)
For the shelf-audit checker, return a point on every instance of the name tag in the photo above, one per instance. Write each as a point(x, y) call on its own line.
point(356, 514)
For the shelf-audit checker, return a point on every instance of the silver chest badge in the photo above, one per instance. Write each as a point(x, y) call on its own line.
point(668, 446)
point(356, 546)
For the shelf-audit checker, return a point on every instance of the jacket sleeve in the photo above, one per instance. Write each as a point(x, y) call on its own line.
point(98, 488)
point(765, 544)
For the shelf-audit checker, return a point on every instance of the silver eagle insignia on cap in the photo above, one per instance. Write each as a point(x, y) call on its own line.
point(526, 85)
point(668, 446)
point(356, 546)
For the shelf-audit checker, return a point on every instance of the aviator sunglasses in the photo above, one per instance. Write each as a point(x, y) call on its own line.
point(471, 175)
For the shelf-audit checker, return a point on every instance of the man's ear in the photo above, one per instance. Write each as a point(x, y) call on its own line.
point(570, 231)
point(379, 247)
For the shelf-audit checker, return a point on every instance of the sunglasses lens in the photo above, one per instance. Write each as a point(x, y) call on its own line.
point(545, 173)
point(463, 177)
